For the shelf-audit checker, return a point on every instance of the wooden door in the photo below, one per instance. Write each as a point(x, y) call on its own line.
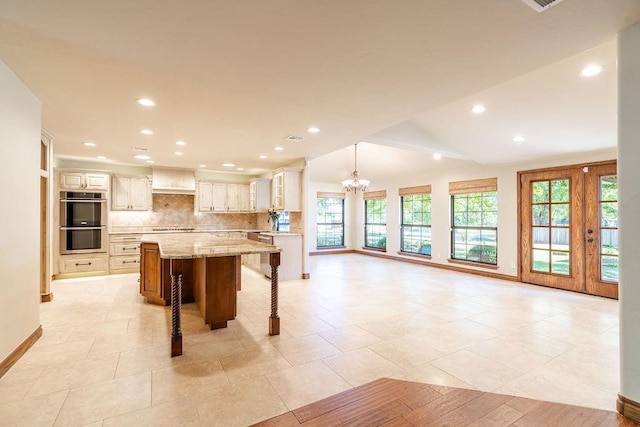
point(601, 223)
point(569, 228)
point(551, 228)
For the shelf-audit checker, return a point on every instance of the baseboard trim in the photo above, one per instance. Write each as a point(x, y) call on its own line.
point(628, 408)
point(16, 354)
point(442, 266)
point(46, 297)
point(331, 252)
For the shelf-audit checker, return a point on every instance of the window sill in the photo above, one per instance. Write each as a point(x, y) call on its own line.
point(328, 248)
point(473, 264)
point(413, 254)
point(367, 248)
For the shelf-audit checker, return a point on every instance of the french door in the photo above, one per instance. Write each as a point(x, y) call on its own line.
point(569, 228)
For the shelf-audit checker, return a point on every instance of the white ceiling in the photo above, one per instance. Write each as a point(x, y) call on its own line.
point(233, 78)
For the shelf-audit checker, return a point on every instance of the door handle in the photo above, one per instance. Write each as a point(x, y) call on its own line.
point(590, 239)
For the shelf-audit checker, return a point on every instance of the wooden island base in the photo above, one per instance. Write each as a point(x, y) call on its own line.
point(211, 281)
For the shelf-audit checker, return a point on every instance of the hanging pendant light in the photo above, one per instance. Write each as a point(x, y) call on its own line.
point(355, 183)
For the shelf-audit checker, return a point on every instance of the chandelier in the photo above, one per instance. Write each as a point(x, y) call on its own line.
point(354, 184)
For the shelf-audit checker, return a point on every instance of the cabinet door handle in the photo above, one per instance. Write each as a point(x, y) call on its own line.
point(129, 249)
point(129, 262)
point(129, 238)
point(78, 264)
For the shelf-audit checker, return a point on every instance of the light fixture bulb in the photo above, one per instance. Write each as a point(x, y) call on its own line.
point(262, 156)
point(89, 144)
point(313, 129)
point(146, 102)
point(228, 165)
point(181, 143)
point(178, 153)
point(355, 183)
point(478, 109)
point(278, 148)
point(437, 156)
point(591, 70)
point(146, 132)
point(101, 158)
point(518, 138)
point(141, 157)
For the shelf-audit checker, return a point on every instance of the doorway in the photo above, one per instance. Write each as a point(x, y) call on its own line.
point(569, 228)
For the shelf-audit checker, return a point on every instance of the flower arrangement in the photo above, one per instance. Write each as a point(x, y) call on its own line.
point(273, 218)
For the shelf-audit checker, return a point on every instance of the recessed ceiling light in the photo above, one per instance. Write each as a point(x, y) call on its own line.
point(313, 129)
point(437, 156)
point(228, 165)
point(178, 153)
point(101, 158)
point(478, 109)
point(146, 132)
point(278, 148)
point(591, 70)
point(182, 143)
point(240, 169)
point(150, 161)
point(262, 156)
point(89, 144)
point(146, 102)
point(202, 166)
point(141, 157)
point(518, 138)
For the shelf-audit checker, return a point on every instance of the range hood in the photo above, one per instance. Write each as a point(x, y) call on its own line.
point(173, 181)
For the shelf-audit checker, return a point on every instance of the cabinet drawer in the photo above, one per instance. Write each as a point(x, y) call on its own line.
point(118, 238)
point(125, 248)
point(124, 263)
point(82, 264)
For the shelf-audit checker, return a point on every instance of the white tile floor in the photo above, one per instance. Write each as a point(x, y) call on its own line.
point(104, 356)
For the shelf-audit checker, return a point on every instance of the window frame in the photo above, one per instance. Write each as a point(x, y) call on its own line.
point(341, 245)
point(379, 196)
point(405, 225)
point(480, 229)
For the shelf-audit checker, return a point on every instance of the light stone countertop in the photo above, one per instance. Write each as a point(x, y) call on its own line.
point(196, 245)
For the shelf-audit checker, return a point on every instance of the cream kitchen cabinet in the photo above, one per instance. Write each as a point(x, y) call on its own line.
point(222, 197)
point(285, 190)
point(80, 265)
point(259, 195)
point(211, 196)
point(68, 180)
point(131, 193)
point(124, 253)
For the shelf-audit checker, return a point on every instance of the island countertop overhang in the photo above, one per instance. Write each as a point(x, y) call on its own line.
point(198, 245)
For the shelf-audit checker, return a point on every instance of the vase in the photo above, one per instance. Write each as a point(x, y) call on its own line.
point(274, 225)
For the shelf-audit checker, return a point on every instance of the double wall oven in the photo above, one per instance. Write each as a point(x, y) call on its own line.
point(83, 222)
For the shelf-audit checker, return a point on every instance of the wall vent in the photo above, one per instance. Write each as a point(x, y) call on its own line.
point(140, 149)
point(541, 5)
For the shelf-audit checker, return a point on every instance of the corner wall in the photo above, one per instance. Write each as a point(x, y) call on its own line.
point(19, 212)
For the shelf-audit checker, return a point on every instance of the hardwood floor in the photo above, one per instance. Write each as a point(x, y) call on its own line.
point(391, 402)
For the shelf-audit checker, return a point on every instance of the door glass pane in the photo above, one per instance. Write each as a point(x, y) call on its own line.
point(560, 214)
point(540, 261)
point(540, 214)
point(540, 192)
point(540, 238)
point(609, 214)
point(609, 268)
point(560, 190)
point(560, 239)
point(560, 262)
point(609, 242)
point(609, 188)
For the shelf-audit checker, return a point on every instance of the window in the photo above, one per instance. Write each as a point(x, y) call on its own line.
point(375, 220)
point(330, 220)
point(415, 206)
point(284, 221)
point(474, 221)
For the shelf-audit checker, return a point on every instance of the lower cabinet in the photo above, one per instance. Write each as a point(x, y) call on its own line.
point(124, 253)
point(155, 275)
point(85, 263)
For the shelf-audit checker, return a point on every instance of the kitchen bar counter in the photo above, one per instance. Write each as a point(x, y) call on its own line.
point(210, 266)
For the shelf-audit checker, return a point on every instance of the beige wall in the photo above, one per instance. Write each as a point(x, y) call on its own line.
point(19, 212)
point(507, 204)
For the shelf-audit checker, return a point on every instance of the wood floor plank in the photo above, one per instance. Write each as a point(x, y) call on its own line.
point(442, 406)
point(397, 403)
point(380, 416)
point(421, 398)
point(313, 410)
point(380, 398)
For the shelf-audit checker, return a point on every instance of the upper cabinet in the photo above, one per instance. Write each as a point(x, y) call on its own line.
point(83, 181)
point(131, 193)
point(285, 190)
point(221, 197)
point(259, 195)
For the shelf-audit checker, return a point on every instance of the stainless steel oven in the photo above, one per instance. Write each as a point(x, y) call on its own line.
point(83, 222)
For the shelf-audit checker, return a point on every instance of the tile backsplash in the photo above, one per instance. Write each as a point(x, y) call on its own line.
point(178, 210)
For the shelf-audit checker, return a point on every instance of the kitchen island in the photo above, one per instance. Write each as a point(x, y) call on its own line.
point(211, 267)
